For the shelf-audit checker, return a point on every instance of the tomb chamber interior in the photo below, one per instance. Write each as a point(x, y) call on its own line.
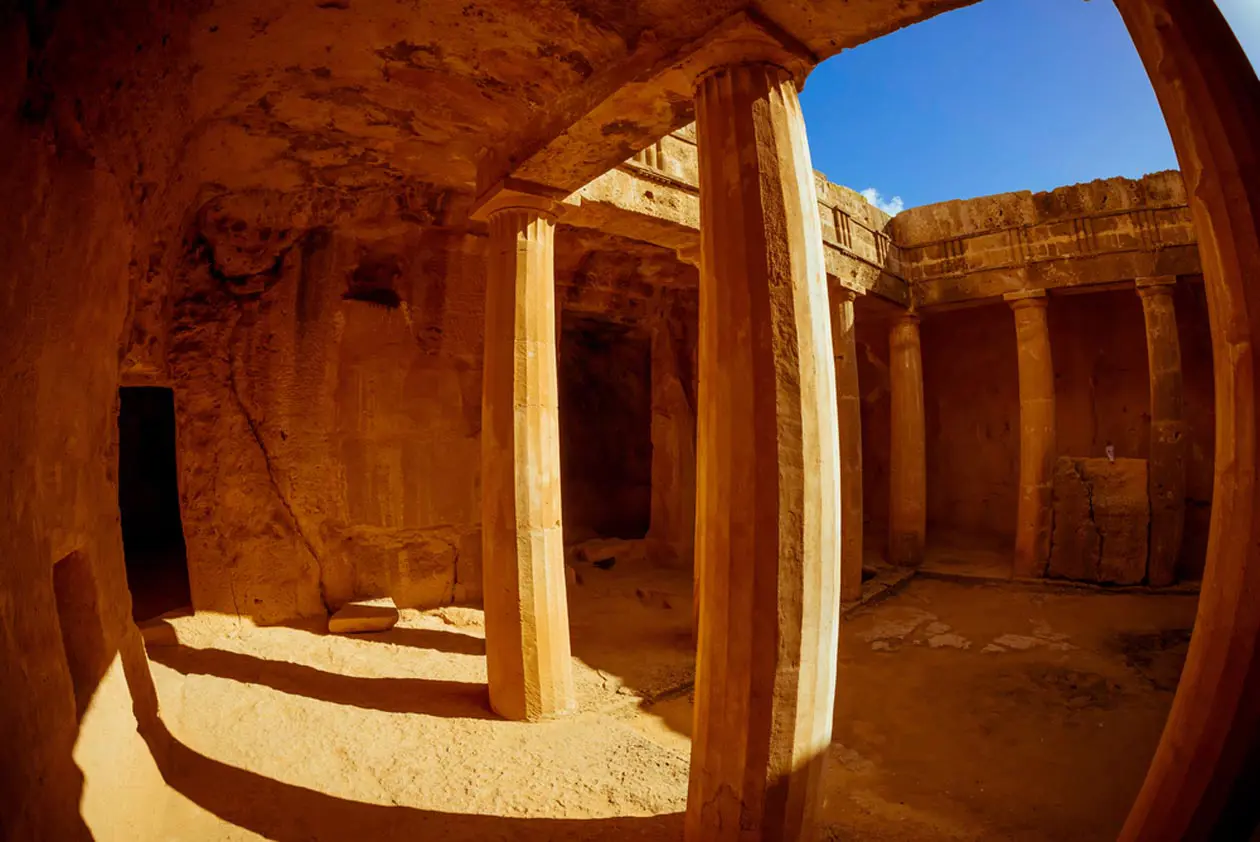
point(480, 421)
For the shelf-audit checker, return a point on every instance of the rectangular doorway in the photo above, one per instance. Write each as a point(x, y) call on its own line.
point(605, 380)
point(148, 497)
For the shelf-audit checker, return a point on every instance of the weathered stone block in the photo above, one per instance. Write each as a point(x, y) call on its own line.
point(1101, 520)
point(368, 616)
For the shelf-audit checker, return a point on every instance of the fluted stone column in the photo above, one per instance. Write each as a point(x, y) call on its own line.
point(527, 618)
point(768, 513)
point(1034, 517)
point(1167, 468)
point(849, 417)
point(907, 462)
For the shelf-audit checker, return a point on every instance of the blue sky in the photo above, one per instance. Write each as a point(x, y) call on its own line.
point(1004, 95)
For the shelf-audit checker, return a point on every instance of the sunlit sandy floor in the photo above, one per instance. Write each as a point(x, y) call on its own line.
point(964, 712)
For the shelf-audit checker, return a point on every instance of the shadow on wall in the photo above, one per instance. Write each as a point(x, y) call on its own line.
point(287, 813)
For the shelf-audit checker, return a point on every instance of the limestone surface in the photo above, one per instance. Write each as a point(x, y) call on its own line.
point(364, 616)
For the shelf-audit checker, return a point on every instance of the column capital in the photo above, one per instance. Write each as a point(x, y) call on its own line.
point(1155, 285)
point(516, 194)
point(906, 317)
point(689, 254)
point(1026, 298)
point(749, 37)
point(846, 294)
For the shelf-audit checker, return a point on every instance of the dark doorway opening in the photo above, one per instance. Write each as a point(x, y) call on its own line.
point(605, 372)
point(148, 496)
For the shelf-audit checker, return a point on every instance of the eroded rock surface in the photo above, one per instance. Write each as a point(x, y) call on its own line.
point(1101, 520)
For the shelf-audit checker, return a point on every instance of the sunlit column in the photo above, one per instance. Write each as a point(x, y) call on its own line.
point(768, 513)
point(527, 618)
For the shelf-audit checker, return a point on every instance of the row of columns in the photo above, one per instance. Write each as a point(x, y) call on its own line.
point(769, 476)
point(779, 501)
point(1037, 448)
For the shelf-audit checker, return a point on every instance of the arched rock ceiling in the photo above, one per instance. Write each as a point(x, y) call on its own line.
point(370, 93)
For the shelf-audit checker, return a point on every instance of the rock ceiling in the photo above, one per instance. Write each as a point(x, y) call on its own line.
point(351, 94)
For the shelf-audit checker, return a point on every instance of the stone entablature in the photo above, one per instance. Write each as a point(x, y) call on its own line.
point(1102, 232)
point(654, 197)
point(1095, 234)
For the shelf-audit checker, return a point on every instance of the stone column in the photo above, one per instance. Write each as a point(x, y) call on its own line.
point(1034, 517)
point(1167, 467)
point(907, 462)
point(768, 513)
point(673, 520)
point(849, 417)
point(1201, 782)
point(527, 618)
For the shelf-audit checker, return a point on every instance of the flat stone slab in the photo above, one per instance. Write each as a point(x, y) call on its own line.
point(374, 615)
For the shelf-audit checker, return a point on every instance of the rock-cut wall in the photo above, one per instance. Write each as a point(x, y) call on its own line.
point(328, 416)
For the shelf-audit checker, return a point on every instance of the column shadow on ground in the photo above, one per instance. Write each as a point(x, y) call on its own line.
point(435, 640)
point(451, 699)
point(287, 813)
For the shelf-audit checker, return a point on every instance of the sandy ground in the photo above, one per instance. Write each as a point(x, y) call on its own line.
point(964, 712)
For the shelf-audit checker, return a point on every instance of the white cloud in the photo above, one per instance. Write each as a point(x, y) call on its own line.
point(892, 206)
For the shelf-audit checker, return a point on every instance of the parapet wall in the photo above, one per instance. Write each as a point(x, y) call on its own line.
point(1098, 233)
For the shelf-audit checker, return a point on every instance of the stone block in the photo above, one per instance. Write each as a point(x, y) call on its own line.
point(375, 615)
point(1101, 520)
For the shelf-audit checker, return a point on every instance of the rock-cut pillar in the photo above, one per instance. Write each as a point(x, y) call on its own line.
point(768, 513)
point(526, 615)
point(1034, 515)
point(849, 418)
point(907, 461)
point(1167, 469)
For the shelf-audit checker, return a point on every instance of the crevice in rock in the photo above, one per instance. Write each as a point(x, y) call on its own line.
point(271, 473)
point(1089, 498)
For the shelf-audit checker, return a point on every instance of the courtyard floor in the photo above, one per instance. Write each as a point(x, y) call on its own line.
point(965, 711)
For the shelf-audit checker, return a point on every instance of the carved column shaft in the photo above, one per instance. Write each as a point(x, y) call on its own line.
point(527, 618)
point(907, 481)
point(1034, 517)
point(768, 514)
point(1168, 426)
point(849, 418)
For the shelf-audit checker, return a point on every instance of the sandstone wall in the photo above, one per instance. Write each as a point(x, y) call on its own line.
point(971, 402)
point(329, 420)
point(1102, 384)
point(91, 116)
point(971, 396)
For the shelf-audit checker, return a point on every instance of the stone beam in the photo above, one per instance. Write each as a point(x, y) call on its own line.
point(1083, 236)
point(659, 203)
point(628, 102)
point(600, 127)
